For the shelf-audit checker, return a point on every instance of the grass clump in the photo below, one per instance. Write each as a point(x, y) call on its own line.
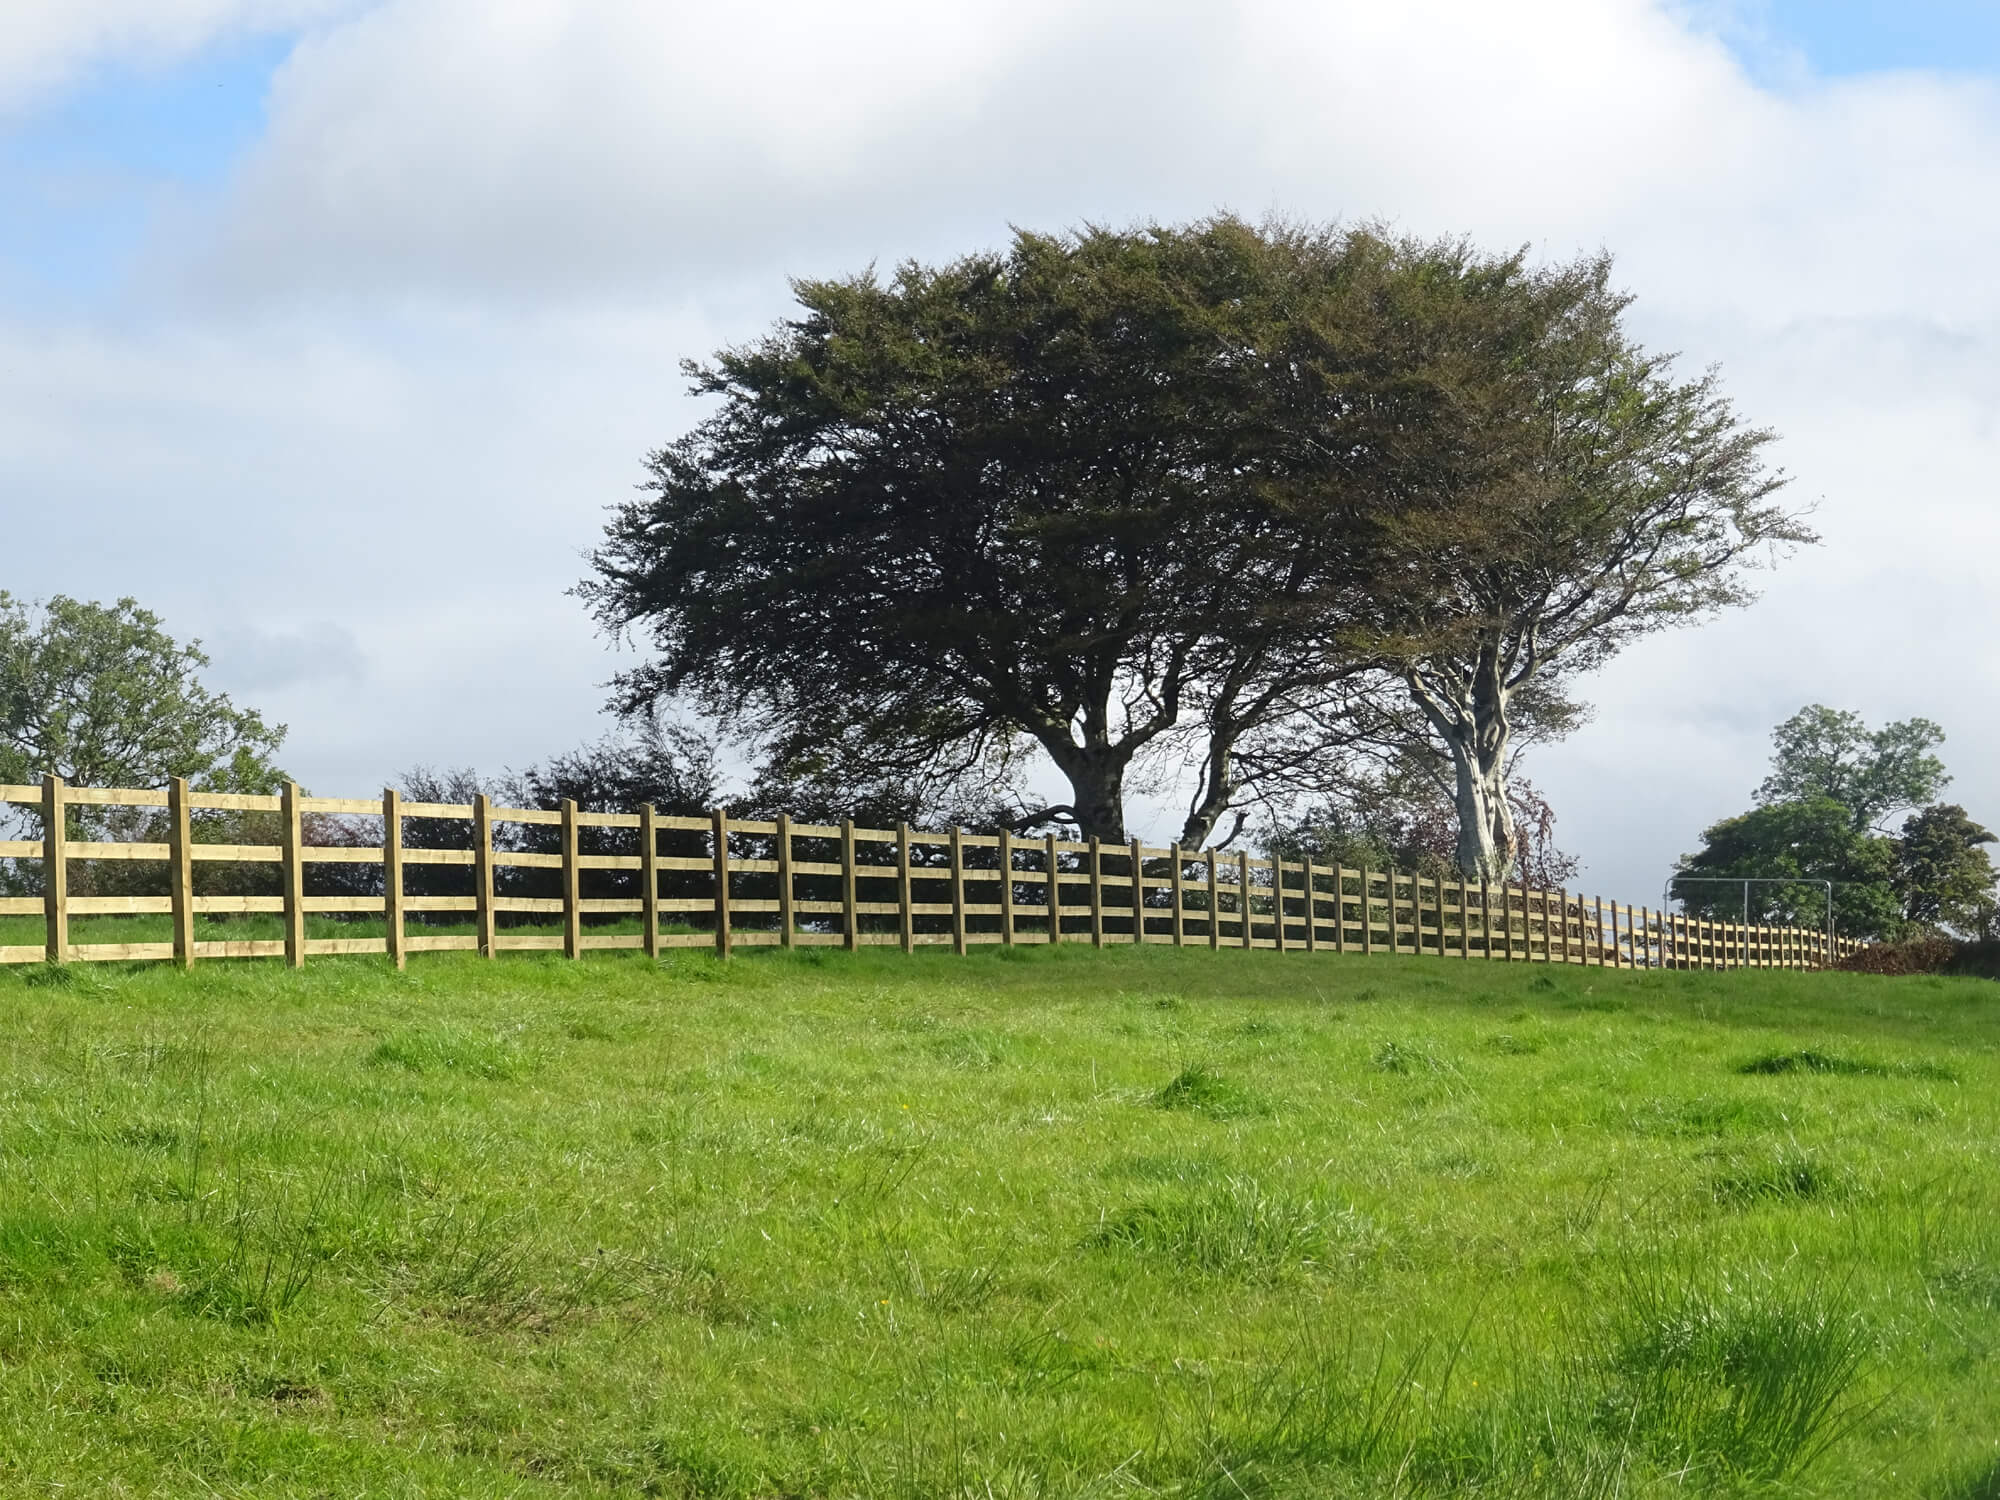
point(1237, 1227)
point(1198, 1089)
point(1800, 1176)
point(1810, 1060)
point(1751, 1379)
point(445, 1050)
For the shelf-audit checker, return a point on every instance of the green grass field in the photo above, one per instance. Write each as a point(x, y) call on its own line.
point(1025, 1224)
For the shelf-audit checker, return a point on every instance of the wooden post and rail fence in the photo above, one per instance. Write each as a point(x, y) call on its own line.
point(727, 883)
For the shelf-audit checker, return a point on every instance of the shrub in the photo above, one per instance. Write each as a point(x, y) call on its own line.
point(1926, 954)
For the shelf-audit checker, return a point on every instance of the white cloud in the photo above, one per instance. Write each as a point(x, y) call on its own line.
point(433, 326)
point(43, 46)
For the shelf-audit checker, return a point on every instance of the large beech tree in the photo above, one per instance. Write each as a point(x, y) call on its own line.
point(1550, 491)
point(1242, 498)
point(1054, 493)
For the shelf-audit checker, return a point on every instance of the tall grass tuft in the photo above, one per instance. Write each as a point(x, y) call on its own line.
point(1238, 1227)
point(1199, 1089)
point(1742, 1377)
point(1789, 1174)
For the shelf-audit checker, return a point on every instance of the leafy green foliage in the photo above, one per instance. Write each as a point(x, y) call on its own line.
point(1031, 494)
point(1554, 491)
point(1943, 873)
point(1816, 839)
point(1833, 781)
point(101, 695)
point(1820, 752)
point(1214, 497)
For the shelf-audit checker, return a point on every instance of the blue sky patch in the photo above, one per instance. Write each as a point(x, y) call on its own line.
point(87, 173)
point(1840, 38)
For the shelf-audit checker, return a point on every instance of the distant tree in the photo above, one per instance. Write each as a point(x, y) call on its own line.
point(1553, 492)
point(1813, 838)
point(847, 779)
point(646, 760)
point(1943, 874)
point(101, 695)
point(1824, 752)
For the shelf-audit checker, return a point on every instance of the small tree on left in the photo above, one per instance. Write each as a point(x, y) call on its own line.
point(101, 695)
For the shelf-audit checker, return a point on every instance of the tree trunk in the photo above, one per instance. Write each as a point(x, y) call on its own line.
point(1487, 844)
point(1218, 786)
point(1469, 712)
point(1097, 791)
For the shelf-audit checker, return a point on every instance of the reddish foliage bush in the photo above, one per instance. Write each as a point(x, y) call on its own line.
point(1929, 954)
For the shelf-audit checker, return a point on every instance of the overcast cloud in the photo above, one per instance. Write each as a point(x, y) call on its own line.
point(365, 394)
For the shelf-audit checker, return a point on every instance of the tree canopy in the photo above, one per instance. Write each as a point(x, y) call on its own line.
point(1944, 877)
point(1037, 494)
point(1556, 491)
point(1214, 497)
point(1826, 752)
point(102, 695)
point(1833, 783)
point(1813, 838)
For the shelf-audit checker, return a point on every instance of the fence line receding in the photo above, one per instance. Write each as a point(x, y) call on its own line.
point(726, 883)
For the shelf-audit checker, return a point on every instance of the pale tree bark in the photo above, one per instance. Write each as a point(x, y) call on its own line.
point(1488, 846)
point(1468, 709)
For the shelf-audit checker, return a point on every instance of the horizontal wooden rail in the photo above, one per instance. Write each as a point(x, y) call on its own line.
point(730, 883)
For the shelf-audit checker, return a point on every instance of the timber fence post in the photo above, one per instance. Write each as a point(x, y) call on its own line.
point(1053, 857)
point(482, 874)
point(293, 839)
point(904, 903)
point(1367, 911)
point(849, 918)
point(1177, 878)
point(1007, 887)
point(55, 870)
point(1243, 892)
point(1214, 901)
point(724, 938)
point(394, 934)
point(1096, 893)
point(572, 882)
point(785, 909)
point(1138, 894)
point(958, 890)
point(483, 920)
point(649, 878)
point(180, 870)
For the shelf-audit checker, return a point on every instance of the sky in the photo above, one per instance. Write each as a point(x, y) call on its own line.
point(330, 328)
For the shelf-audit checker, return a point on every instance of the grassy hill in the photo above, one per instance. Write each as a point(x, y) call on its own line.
point(1024, 1224)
